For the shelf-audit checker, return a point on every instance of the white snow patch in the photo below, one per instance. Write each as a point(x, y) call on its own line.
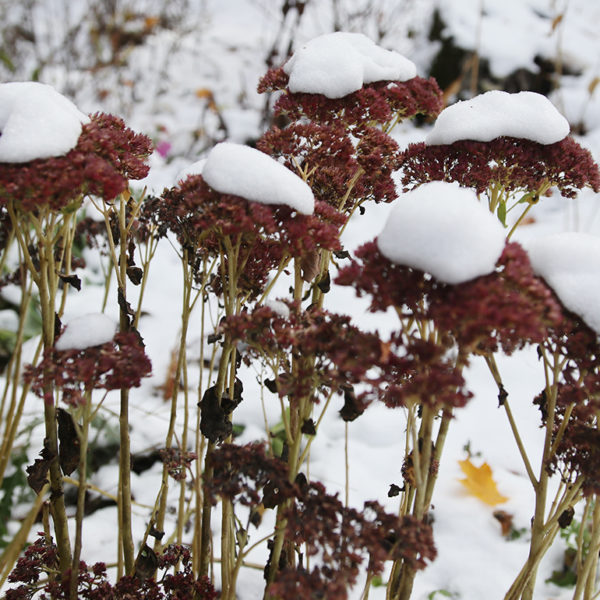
point(337, 64)
point(444, 230)
point(569, 262)
point(243, 171)
point(279, 308)
point(194, 169)
point(525, 115)
point(36, 122)
point(9, 321)
point(86, 331)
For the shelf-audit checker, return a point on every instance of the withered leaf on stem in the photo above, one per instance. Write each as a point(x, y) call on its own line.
point(324, 283)
point(72, 280)
point(68, 442)
point(566, 517)
point(145, 563)
point(394, 490)
point(135, 275)
point(351, 409)
point(214, 424)
point(308, 427)
point(37, 473)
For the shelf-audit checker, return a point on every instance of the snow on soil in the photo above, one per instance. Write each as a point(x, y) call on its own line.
point(444, 230)
point(36, 122)
point(570, 264)
point(337, 64)
point(496, 113)
point(86, 331)
point(249, 173)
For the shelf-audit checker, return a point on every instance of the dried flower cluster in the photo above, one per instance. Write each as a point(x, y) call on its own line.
point(343, 537)
point(340, 353)
point(41, 559)
point(118, 364)
point(506, 309)
point(513, 165)
point(206, 221)
point(380, 102)
point(107, 155)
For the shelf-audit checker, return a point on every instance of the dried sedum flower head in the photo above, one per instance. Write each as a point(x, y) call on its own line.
point(343, 537)
point(514, 165)
point(205, 221)
point(380, 102)
point(106, 156)
point(508, 308)
point(339, 171)
point(118, 364)
point(338, 353)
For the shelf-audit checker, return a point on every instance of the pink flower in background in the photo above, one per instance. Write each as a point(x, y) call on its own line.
point(163, 148)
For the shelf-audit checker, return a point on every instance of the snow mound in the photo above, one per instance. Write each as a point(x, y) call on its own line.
point(249, 173)
point(525, 115)
point(193, 169)
point(86, 331)
point(444, 230)
point(337, 64)
point(279, 308)
point(570, 264)
point(36, 122)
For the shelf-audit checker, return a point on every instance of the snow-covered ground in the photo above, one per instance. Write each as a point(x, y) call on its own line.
point(226, 56)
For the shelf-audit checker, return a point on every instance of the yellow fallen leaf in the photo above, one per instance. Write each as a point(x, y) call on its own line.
point(480, 483)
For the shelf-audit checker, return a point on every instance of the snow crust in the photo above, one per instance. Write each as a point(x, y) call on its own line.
point(194, 169)
point(86, 331)
point(243, 171)
point(36, 122)
point(569, 262)
point(337, 64)
point(525, 115)
point(278, 307)
point(444, 230)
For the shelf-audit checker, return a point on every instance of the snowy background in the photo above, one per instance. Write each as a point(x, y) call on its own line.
point(188, 80)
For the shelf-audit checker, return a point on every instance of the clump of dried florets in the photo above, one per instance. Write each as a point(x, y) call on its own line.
point(118, 364)
point(339, 172)
point(506, 309)
point(177, 461)
point(247, 474)
point(382, 102)
point(576, 348)
point(344, 538)
point(419, 372)
point(41, 559)
point(340, 353)
point(106, 156)
point(510, 165)
point(208, 223)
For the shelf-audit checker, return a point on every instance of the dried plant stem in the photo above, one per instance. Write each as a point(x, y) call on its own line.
point(543, 531)
point(83, 435)
point(587, 571)
point(424, 451)
point(49, 228)
point(186, 310)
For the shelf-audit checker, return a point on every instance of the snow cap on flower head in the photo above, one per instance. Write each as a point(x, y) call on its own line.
point(525, 115)
point(36, 122)
point(444, 230)
point(337, 64)
point(251, 174)
point(86, 331)
point(569, 262)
